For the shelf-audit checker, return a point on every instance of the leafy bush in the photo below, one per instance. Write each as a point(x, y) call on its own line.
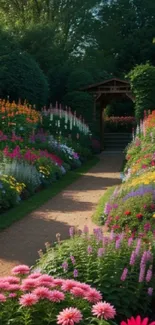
point(120, 268)
point(10, 191)
point(39, 299)
point(22, 78)
point(142, 80)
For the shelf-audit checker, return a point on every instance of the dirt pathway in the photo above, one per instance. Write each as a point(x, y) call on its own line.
point(72, 207)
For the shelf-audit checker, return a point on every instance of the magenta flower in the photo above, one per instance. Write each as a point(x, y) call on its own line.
point(75, 273)
point(124, 274)
point(150, 291)
point(137, 321)
point(149, 275)
point(28, 299)
point(69, 316)
point(104, 310)
point(89, 250)
point(133, 258)
point(21, 269)
point(2, 298)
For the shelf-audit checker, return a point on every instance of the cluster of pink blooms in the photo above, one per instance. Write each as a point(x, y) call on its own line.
point(30, 155)
point(29, 288)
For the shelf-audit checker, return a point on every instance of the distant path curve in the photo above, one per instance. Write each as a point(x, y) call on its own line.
point(72, 207)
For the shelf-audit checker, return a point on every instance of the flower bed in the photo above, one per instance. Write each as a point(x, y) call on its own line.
point(119, 266)
point(32, 156)
point(39, 299)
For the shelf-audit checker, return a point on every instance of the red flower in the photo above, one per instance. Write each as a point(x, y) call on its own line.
point(152, 206)
point(139, 216)
point(137, 321)
point(127, 213)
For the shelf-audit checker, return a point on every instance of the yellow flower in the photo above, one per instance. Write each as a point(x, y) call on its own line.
point(153, 215)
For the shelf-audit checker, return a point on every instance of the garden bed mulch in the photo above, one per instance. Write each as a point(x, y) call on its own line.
point(72, 207)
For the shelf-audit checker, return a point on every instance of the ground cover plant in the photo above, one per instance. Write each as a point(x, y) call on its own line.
point(121, 267)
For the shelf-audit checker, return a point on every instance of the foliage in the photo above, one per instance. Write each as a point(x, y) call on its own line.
point(142, 79)
point(35, 298)
point(21, 77)
point(10, 191)
point(101, 261)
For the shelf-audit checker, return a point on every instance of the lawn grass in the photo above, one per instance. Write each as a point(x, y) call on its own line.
point(34, 202)
point(96, 218)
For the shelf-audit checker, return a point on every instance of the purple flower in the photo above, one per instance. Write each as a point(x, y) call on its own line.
point(72, 259)
point(147, 226)
point(71, 231)
point(133, 258)
point(124, 274)
point(118, 243)
point(65, 266)
point(100, 252)
point(149, 275)
point(98, 233)
point(150, 291)
point(130, 240)
point(85, 230)
point(138, 246)
point(75, 273)
point(89, 250)
point(142, 273)
point(112, 235)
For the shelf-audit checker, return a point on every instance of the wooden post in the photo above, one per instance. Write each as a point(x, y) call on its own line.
point(94, 111)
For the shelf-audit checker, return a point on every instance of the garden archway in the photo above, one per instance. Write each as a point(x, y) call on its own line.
point(106, 91)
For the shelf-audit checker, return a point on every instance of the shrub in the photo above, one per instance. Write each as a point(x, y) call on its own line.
point(10, 191)
point(142, 80)
point(21, 77)
point(116, 266)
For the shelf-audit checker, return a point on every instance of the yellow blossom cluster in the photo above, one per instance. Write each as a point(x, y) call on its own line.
point(44, 170)
point(145, 178)
point(19, 187)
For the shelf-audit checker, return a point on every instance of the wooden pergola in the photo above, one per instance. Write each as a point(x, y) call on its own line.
point(108, 90)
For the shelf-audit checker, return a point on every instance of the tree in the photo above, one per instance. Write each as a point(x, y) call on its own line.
point(142, 79)
point(20, 75)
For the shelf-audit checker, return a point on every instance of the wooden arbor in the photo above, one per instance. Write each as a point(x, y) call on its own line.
point(104, 92)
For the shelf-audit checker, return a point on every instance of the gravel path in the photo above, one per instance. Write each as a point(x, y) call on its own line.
point(72, 207)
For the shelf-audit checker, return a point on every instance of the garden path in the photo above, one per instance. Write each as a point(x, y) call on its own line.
point(72, 207)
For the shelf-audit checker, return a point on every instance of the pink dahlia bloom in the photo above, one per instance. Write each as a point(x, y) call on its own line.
point(34, 275)
point(28, 299)
point(56, 296)
point(42, 292)
point(137, 321)
point(68, 285)
point(29, 284)
point(103, 310)
point(2, 298)
point(83, 286)
point(10, 279)
point(45, 280)
point(69, 316)
point(93, 296)
point(58, 282)
point(12, 295)
point(21, 269)
point(78, 292)
point(4, 285)
point(13, 287)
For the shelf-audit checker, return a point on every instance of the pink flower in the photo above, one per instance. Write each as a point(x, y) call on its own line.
point(42, 292)
point(137, 321)
point(78, 292)
point(93, 296)
point(83, 286)
point(4, 285)
point(29, 284)
point(45, 280)
point(56, 296)
point(10, 279)
point(2, 298)
point(58, 282)
point(14, 287)
point(103, 310)
point(68, 285)
point(69, 316)
point(28, 299)
point(34, 275)
point(21, 269)
point(12, 295)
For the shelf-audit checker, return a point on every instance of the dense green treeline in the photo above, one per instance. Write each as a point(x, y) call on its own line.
point(51, 48)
